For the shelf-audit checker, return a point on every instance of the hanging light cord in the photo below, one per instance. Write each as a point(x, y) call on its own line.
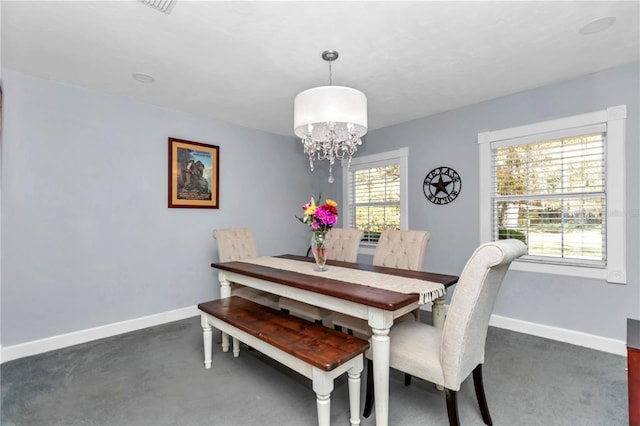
point(330, 56)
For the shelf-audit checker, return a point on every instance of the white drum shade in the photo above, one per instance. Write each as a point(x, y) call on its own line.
point(341, 105)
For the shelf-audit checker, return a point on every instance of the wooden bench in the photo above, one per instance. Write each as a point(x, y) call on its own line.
point(317, 352)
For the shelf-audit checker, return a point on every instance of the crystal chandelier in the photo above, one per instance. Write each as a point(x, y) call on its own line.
point(330, 120)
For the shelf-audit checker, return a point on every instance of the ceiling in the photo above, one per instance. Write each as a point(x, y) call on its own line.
point(244, 62)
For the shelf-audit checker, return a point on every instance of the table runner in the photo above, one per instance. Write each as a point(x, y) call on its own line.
point(428, 290)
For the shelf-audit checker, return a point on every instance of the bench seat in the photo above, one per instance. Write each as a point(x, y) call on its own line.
point(317, 352)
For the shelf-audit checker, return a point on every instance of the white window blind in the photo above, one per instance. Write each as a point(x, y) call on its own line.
point(374, 189)
point(551, 194)
point(376, 192)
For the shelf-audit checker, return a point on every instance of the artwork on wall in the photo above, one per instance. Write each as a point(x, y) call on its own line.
point(193, 174)
point(442, 185)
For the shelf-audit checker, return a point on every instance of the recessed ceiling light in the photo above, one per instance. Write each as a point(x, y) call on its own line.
point(143, 78)
point(598, 25)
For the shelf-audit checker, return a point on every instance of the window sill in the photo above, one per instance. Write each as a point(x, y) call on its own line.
point(367, 250)
point(615, 277)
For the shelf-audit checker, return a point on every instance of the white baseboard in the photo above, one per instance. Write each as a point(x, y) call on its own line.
point(35, 347)
point(591, 341)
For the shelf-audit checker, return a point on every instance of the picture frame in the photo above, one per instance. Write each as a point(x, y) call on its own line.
point(193, 174)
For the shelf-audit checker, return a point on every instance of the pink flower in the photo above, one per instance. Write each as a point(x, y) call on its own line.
point(325, 217)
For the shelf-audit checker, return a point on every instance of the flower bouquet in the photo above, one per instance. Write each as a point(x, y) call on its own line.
point(320, 218)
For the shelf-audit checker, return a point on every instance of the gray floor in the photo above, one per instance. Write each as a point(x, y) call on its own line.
point(156, 377)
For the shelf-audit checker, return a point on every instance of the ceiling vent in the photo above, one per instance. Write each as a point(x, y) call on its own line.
point(162, 5)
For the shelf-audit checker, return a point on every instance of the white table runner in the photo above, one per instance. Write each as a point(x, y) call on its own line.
point(428, 290)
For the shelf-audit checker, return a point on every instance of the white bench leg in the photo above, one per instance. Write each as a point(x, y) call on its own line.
point(225, 342)
point(323, 403)
point(323, 386)
point(207, 340)
point(236, 347)
point(354, 390)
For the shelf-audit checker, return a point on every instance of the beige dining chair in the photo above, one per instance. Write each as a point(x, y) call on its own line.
point(446, 357)
point(395, 249)
point(342, 245)
point(239, 244)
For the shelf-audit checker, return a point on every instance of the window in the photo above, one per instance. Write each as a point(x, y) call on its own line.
point(559, 187)
point(375, 195)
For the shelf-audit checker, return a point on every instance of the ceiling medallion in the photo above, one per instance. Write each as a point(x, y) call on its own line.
point(442, 185)
point(597, 25)
point(143, 78)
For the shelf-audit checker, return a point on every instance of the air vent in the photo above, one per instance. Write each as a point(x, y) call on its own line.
point(161, 5)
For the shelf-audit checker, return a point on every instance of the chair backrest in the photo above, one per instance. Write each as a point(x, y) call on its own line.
point(465, 328)
point(401, 249)
point(343, 244)
point(235, 244)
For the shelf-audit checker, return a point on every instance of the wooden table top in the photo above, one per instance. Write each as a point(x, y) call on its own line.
point(369, 296)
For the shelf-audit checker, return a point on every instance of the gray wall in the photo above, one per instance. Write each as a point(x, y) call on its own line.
point(87, 238)
point(450, 139)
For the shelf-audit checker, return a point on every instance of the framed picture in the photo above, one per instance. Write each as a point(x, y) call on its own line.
point(193, 174)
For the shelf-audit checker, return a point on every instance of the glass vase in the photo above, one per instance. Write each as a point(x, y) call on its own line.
point(320, 250)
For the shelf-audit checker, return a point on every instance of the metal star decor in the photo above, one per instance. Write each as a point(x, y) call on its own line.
point(442, 185)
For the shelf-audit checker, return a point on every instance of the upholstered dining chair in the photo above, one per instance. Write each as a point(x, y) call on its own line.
point(239, 244)
point(342, 245)
point(447, 356)
point(395, 249)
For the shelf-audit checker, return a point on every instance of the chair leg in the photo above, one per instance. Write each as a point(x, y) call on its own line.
point(478, 384)
point(407, 379)
point(368, 404)
point(452, 407)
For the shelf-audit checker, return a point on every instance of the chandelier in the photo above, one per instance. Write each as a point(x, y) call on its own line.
point(330, 120)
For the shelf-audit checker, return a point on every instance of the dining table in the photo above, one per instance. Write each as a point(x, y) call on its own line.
point(373, 293)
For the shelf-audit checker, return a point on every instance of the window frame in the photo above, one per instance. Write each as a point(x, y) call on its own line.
point(614, 118)
point(399, 156)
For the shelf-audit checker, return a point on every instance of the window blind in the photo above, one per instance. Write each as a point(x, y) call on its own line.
point(551, 194)
point(374, 198)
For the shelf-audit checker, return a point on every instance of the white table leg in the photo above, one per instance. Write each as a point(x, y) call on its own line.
point(206, 338)
point(354, 391)
point(380, 344)
point(437, 311)
point(225, 291)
